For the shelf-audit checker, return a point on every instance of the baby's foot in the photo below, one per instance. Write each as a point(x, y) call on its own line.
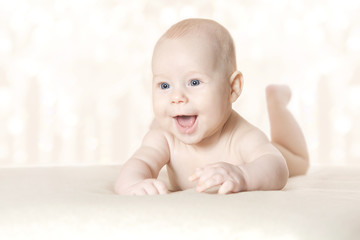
point(278, 95)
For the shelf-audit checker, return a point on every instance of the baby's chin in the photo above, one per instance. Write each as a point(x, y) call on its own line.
point(189, 139)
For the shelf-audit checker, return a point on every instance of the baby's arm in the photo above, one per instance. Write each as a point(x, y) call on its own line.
point(138, 175)
point(264, 168)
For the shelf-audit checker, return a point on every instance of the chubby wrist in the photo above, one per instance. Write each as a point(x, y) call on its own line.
point(264, 174)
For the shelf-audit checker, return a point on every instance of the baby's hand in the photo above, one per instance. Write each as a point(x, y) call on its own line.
point(229, 177)
point(147, 187)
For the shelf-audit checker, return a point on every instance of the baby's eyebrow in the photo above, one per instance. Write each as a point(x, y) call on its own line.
point(196, 73)
point(159, 78)
point(159, 75)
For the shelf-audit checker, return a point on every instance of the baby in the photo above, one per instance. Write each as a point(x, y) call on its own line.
point(203, 142)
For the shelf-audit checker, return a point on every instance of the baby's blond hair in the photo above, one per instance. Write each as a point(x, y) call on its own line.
point(220, 35)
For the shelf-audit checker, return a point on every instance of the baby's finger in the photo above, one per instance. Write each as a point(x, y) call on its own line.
point(227, 187)
point(193, 178)
point(213, 181)
point(196, 175)
point(210, 172)
point(161, 187)
point(138, 192)
point(151, 189)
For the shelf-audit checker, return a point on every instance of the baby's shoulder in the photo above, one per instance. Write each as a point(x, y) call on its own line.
point(156, 136)
point(242, 129)
point(239, 124)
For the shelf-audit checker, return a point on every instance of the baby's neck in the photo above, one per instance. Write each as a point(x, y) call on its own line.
point(213, 140)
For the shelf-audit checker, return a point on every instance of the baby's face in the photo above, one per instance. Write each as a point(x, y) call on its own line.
point(191, 93)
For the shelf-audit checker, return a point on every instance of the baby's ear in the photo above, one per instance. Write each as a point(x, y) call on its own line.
point(236, 83)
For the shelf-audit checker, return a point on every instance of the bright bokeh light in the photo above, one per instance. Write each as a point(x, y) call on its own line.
point(75, 75)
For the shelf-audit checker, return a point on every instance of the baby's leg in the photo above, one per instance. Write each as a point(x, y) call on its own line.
point(286, 134)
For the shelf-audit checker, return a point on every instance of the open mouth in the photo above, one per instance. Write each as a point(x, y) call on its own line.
point(186, 123)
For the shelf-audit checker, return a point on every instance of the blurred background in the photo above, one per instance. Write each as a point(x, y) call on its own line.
point(75, 77)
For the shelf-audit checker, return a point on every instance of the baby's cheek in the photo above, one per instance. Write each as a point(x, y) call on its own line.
point(161, 116)
point(158, 108)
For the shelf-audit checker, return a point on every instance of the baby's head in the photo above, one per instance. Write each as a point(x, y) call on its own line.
point(195, 80)
point(210, 32)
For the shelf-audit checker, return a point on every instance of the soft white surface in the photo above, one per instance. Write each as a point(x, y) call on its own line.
point(78, 203)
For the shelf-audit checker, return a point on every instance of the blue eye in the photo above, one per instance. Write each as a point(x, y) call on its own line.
point(194, 82)
point(165, 86)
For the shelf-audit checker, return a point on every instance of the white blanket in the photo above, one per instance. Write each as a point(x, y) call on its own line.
point(79, 203)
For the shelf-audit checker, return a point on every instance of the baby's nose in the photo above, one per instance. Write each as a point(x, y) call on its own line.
point(179, 97)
